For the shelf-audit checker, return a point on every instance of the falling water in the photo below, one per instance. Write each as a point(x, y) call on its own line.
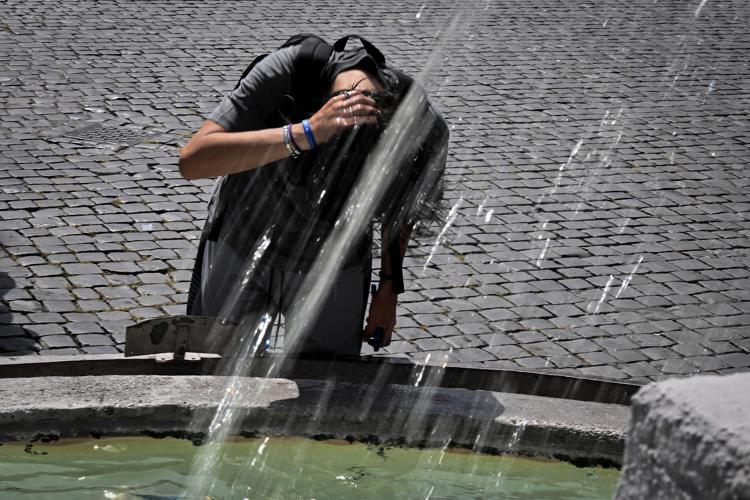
point(629, 277)
point(596, 306)
point(396, 142)
point(442, 235)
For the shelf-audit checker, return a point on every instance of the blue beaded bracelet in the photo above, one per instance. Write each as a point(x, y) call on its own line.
point(309, 134)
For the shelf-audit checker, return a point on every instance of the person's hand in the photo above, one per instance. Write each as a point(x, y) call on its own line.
point(382, 314)
point(342, 112)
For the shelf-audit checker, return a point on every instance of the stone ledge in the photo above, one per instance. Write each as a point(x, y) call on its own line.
point(488, 421)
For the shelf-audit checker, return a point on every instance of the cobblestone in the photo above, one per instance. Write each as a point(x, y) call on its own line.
point(629, 262)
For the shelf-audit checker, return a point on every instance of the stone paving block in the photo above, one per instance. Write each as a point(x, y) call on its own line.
point(473, 328)
point(545, 349)
point(735, 359)
point(506, 351)
point(468, 354)
point(60, 306)
point(674, 366)
point(397, 347)
point(579, 346)
point(37, 330)
point(603, 371)
point(597, 358)
point(629, 355)
point(616, 343)
point(464, 341)
point(11, 331)
point(18, 344)
point(93, 340)
point(83, 327)
point(88, 280)
point(56, 341)
point(532, 362)
point(431, 344)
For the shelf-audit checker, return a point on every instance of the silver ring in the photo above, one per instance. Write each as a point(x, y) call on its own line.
point(351, 111)
point(346, 94)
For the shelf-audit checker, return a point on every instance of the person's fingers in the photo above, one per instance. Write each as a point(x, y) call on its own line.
point(357, 110)
point(355, 97)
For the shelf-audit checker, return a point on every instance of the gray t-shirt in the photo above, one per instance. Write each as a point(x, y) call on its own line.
point(293, 203)
point(276, 200)
point(259, 95)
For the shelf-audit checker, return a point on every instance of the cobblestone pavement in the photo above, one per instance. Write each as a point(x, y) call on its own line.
point(597, 173)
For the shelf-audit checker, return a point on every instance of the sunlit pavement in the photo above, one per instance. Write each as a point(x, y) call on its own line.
point(598, 168)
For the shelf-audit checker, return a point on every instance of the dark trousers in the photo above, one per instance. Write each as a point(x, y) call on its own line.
point(337, 328)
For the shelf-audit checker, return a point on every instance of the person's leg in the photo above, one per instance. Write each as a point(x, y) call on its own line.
point(337, 330)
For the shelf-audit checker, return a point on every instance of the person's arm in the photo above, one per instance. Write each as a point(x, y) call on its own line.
point(214, 151)
point(383, 306)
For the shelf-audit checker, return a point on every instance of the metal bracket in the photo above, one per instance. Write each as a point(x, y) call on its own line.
point(180, 338)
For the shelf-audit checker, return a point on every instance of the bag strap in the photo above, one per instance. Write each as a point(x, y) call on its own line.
point(308, 82)
point(369, 47)
point(314, 53)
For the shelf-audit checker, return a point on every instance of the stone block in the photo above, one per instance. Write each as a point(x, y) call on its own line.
point(689, 439)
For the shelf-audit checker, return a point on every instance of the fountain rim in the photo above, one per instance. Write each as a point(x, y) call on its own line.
point(49, 408)
point(358, 369)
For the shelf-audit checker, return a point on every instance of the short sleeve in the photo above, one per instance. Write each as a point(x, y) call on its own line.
point(259, 94)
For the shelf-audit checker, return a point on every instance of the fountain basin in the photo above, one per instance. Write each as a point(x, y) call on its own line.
point(583, 432)
point(286, 467)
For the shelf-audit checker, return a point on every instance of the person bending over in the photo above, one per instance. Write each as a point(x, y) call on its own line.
point(288, 145)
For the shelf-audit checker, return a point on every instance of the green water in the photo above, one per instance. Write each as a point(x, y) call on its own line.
point(286, 468)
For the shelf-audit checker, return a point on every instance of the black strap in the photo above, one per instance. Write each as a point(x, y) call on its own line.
point(313, 56)
point(308, 84)
point(369, 47)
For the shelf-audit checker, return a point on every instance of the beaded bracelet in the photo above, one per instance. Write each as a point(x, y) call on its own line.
point(293, 151)
point(291, 140)
point(309, 134)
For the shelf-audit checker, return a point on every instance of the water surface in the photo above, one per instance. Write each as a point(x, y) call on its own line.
point(286, 468)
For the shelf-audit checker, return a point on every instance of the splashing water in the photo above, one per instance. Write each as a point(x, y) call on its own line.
point(699, 8)
point(598, 304)
point(406, 128)
point(420, 374)
point(441, 236)
point(543, 253)
point(629, 278)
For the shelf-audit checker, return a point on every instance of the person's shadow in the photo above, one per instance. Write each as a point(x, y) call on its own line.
point(8, 332)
